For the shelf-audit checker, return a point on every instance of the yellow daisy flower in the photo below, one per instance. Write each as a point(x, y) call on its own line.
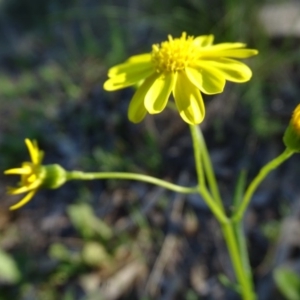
point(182, 66)
point(32, 175)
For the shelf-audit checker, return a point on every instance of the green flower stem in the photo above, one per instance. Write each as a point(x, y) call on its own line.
point(239, 228)
point(78, 175)
point(211, 178)
point(242, 244)
point(195, 133)
point(216, 210)
point(214, 202)
point(244, 280)
point(199, 146)
point(273, 164)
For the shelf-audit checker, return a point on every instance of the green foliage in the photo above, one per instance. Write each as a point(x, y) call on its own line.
point(95, 254)
point(151, 154)
point(9, 271)
point(109, 160)
point(271, 230)
point(61, 252)
point(69, 264)
point(288, 282)
point(191, 295)
point(83, 218)
point(229, 284)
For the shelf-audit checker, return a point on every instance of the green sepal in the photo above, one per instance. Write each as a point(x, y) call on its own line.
point(55, 176)
point(291, 138)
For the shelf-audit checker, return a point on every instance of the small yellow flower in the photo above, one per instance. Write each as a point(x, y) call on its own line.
point(35, 176)
point(291, 136)
point(182, 66)
point(31, 175)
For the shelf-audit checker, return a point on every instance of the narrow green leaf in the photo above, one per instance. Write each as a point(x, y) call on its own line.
point(288, 282)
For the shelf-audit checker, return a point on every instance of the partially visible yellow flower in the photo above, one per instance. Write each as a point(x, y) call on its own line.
point(34, 175)
point(182, 66)
point(295, 120)
point(291, 136)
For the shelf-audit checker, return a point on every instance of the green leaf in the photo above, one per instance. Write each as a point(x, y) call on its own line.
point(94, 254)
point(229, 284)
point(87, 223)
point(60, 252)
point(288, 282)
point(9, 270)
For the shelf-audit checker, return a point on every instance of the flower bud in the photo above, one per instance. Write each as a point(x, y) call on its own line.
point(291, 136)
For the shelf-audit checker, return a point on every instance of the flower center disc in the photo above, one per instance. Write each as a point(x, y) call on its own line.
point(175, 54)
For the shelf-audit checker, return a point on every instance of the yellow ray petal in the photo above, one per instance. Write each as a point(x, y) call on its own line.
point(235, 53)
point(195, 76)
point(126, 79)
point(225, 46)
point(129, 67)
point(157, 97)
point(23, 201)
point(137, 110)
point(18, 171)
point(204, 40)
point(208, 79)
point(188, 100)
point(19, 190)
point(33, 151)
point(25, 188)
point(232, 70)
point(35, 184)
point(40, 156)
point(146, 57)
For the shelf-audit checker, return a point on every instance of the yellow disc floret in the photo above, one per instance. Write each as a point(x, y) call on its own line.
point(175, 54)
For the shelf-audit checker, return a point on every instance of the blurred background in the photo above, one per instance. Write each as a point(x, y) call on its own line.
point(128, 240)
